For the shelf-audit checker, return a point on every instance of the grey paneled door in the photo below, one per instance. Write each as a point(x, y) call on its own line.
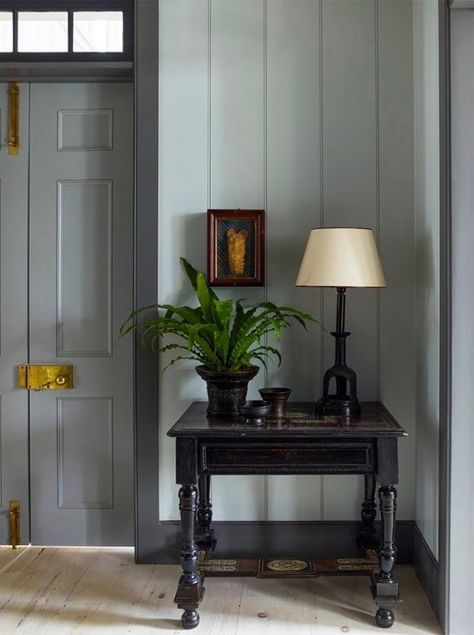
point(80, 282)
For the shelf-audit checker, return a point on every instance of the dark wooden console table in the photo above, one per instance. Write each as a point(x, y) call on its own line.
point(298, 444)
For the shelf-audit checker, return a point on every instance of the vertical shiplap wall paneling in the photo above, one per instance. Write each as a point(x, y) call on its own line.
point(397, 240)
point(427, 210)
point(302, 108)
point(238, 174)
point(237, 103)
point(183, 179)
point(350, 195)
point(293, 208)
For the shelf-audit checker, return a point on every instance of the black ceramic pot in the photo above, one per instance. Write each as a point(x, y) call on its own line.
point(255, 411)
point(226, 390)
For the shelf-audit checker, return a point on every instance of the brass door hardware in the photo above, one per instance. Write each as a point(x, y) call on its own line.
point(45, 377)
point(14, 523)
point(13, 140)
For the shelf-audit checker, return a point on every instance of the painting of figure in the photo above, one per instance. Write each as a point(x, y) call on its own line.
point(236, 250)
point(235, 247)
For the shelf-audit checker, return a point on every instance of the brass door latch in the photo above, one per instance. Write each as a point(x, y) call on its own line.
point(14, 523)
point(45, 377)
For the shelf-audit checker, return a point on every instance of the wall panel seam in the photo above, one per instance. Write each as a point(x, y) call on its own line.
point(321, 210)
point(265, 144)
point(1, 248)
point(377, 183)
point(2, 462)
point(265, 190)
point(28, 302)
point(209, 125)
point(209, 122)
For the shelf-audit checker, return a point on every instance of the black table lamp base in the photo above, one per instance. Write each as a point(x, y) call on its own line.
point(344, 401)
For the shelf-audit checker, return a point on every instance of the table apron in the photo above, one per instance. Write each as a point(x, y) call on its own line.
point(288, 457)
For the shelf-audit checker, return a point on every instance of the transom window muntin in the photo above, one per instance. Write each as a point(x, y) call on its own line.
point(66, 30)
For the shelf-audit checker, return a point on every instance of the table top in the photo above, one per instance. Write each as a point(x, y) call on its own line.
point(300, 421)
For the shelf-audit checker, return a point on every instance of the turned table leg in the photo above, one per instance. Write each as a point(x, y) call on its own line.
point(368, 534)
point(385, 587)
point(190, 589)
point(204, 534)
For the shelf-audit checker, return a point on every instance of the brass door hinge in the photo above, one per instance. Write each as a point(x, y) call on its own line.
point(13, 141)
point(45, 377)
point(14, 523)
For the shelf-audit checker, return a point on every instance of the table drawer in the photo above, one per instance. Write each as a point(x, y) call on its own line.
point(292, 458)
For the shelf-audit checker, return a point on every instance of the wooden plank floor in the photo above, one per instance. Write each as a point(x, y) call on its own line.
point(91, 590)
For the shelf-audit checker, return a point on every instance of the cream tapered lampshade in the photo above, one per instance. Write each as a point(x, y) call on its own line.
point(341, 257)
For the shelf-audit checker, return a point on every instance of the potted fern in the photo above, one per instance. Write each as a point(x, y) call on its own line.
point(225, 337)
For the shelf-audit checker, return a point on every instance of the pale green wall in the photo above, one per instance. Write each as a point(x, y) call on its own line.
point(305, 109)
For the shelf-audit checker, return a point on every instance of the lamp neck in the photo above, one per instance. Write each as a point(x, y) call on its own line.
point(340, 332)
point(341, 310)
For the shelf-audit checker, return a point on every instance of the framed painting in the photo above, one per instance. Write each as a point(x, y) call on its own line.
point(236, 247)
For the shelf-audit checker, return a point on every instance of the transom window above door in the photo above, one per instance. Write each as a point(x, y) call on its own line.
point(66, 30)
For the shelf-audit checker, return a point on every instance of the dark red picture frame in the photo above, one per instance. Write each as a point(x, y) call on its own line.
point(236, 247)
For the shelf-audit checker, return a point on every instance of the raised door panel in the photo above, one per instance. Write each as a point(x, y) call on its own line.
point(85, 129)
point(85, 453)
point(84, 268)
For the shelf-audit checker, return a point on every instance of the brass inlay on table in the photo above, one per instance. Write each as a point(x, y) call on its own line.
point(283, 567)
point(286, 564)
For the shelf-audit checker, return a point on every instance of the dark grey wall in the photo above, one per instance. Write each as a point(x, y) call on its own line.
point(441, 600)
